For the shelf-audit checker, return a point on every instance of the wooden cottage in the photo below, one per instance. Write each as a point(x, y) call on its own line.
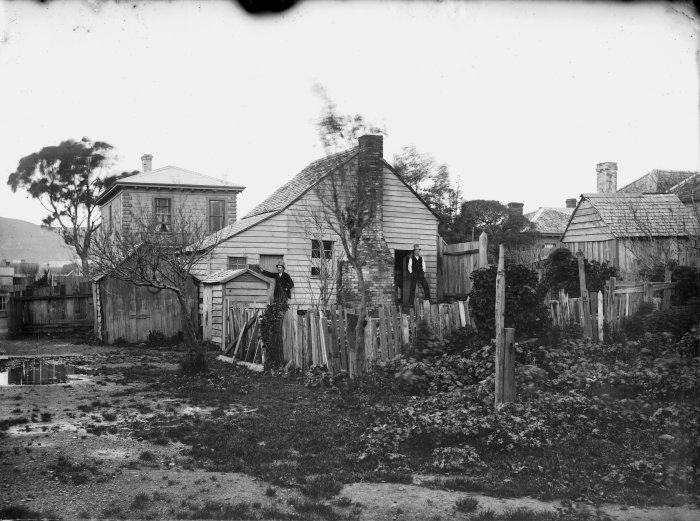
point(227, 288)
point(284, 227)
point(125, 312)
point(633, 230)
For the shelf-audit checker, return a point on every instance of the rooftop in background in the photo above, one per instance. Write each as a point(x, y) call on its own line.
point(644, 215)
point(657, 181)
point(550, 220)
point(171, 177)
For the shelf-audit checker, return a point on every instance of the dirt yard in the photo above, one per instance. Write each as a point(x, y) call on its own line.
point(70, 451)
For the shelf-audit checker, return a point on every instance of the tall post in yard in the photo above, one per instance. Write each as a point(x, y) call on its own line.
point(500, 334)
point(600, 317)
point(587, 332)
point(483, 246)
point(509, 366)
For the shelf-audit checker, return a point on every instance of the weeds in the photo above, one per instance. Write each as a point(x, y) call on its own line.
point(22, 512)
point(140, 501)
point(467, 504)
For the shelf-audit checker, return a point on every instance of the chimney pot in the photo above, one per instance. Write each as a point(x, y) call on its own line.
point(606, 177)
point(515, 209)
point(147, 162)
point(571, 203)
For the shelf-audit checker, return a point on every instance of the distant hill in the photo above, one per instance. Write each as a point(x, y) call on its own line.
point(30, 242)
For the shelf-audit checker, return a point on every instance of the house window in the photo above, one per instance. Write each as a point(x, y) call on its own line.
point(164, 215)
point(321, 254)
point(3, 302)
point(236, 263)
point(216, 215)
point(321, 249)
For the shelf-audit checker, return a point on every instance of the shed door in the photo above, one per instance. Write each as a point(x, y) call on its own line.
point(207, 308)
point(269, 262)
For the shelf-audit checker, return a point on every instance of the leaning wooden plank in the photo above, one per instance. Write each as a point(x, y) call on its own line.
point(323, 332)
point(462, 313)
point(344, 343)
point(383, 337)
point(336, 356)
point(353, 364)
point(239, 341)
point(405, 337)
point(253, 367)
point(253, 343)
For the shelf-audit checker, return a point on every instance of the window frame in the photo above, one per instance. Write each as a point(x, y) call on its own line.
point(169, 224)
point(317, 257)
point(211, 200)
point(228, 262)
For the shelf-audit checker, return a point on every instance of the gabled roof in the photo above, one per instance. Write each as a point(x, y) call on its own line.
point(169, 177)
point(688, 190)
point(223, 276)
point(656, 181)
point(291, 191)
point(642, 215)
point(550, 220)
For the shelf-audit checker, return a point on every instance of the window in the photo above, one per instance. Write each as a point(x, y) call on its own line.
point(316, 246)
point(163, 215)
point(321, 254)
point(216, 215)
point(236, 263)
point(3, 302)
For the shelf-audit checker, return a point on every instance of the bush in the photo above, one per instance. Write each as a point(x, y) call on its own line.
point(561, 272)
point(193, 362)
point(525, 310)
point(676, 320)
point(271, 333)
point(687, 277)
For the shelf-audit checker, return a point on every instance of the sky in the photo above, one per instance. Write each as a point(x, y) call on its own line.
point(519, 100)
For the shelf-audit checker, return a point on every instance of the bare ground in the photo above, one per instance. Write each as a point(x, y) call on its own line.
point(116, 470)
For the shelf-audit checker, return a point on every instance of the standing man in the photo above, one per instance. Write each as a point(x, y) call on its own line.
point(416, 268)
point(283, 283)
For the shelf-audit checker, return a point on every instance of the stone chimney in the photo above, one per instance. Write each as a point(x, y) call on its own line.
point(606, 174)
point(515, 209)
point(571, 203)
point(379, 268)
point(147, 162)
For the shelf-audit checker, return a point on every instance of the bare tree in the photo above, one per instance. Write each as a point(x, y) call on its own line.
point(155, 254)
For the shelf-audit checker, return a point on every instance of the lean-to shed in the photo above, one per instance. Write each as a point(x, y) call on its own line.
point(227, 288)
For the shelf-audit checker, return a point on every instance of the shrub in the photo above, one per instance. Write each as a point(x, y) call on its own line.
point(193, 362)
point(561, 272)
point(271, 333)
point(525, 309)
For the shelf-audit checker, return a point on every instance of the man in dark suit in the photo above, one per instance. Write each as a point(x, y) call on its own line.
point(416, 268)
point(283, 283)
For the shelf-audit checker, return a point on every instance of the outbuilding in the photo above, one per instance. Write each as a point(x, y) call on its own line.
point(228, 288)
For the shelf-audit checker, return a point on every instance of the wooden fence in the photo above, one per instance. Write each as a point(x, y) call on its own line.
point(327, 336)
point(455, 264)
point(618, 301)
point(52, 309)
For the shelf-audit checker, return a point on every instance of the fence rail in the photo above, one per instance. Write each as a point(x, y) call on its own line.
point(327, 337)
point(618, 301)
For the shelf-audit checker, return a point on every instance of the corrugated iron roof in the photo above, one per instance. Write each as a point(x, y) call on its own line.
point(550, 220)
point(174, 175)
point(644, 215)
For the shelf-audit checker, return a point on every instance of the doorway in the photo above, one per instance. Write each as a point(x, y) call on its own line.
point(402, 280)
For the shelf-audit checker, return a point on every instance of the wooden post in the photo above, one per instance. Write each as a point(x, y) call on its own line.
point(666, 303)
point(483, 245)
point(500, 317)
point(509, 366)
point(600, 317)
point(586, 315)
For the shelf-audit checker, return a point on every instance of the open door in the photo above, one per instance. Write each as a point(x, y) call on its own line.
point(402, 280)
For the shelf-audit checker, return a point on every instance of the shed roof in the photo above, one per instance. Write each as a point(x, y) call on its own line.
point(643, 215)
point(169, 177)
point(223, 276)
point(550, 220)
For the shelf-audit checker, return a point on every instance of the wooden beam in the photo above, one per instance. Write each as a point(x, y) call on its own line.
point(500, 316)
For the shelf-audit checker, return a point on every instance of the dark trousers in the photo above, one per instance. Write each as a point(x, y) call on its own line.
point(418, 277)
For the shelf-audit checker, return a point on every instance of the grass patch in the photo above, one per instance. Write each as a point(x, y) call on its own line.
point(73, 473)
point(109, 416)
point(22, 512)
point(141, 501)
point(6, 424)
point(460, 483)
point(467, 504)
point(321, 486)
point(46, 417)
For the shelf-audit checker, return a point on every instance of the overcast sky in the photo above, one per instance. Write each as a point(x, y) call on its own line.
point(520, 100)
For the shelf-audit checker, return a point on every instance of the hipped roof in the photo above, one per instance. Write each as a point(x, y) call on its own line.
point(550, 220)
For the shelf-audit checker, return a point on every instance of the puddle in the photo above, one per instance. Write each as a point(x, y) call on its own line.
point(37, 371)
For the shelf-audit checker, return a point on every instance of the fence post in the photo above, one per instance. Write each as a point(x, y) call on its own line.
point(483, 245)
point(509, 366)
point(666, 303)
point(600, 317)
point(500, 312)
point(587, 333)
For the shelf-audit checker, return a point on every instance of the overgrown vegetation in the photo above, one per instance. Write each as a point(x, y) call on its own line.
point(561, 272)
point(271, 333)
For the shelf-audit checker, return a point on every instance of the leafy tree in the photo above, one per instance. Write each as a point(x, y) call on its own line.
point(502, 226)
point(66, 180)
point(431, 181)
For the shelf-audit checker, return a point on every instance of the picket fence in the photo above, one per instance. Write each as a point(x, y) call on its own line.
point(619, 300)
point(326, 337)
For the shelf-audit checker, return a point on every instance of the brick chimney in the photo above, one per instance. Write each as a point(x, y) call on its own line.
point(606, 175)
point(571, 203)
point(147, 162)
point(378, 271)
point(515, 209)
